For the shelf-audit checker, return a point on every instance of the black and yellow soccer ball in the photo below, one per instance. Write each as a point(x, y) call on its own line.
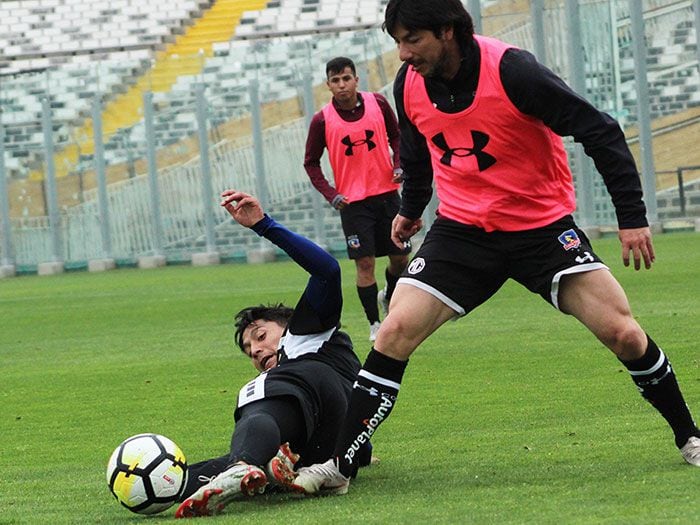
point(147, 473)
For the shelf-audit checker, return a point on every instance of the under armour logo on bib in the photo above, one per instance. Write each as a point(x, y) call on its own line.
point(479, 139)
point(352, 144)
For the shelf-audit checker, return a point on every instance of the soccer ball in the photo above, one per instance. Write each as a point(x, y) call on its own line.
point(147, 473)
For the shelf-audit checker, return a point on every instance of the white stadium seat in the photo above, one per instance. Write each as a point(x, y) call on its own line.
point(113, 39)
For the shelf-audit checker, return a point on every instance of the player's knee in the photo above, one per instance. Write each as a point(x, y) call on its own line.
point(627, 340)
point(365, 265)
point(397, 337)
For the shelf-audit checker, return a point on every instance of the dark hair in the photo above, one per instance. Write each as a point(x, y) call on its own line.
point(434, 15)
point(338, 64)
point(277, 313)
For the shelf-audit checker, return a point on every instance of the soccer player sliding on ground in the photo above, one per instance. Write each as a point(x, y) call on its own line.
point(307, 366)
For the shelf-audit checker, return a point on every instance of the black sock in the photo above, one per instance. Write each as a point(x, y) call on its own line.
point(368, 298)
point(391, 281)
point(654, 377)
point(373, 397)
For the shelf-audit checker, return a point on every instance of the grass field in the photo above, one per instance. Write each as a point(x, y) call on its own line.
point(514, 414)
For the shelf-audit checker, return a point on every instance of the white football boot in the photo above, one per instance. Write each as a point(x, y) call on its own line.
point(239, 480)
point(280, 469)
point(691, 451)
point(374, 330)
point(322, 479)
point(383, 301)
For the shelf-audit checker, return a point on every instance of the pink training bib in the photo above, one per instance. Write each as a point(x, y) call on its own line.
point(359, 152)
point(494, 167)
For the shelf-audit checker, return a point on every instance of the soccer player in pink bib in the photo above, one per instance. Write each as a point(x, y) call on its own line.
point(483, 121)
point(358, 129)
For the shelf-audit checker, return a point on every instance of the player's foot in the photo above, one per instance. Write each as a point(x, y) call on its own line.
point(383, 300)
point(691, 451)
point(280, 469)
point(374, 330)
point(240, 479)
point(322, 479)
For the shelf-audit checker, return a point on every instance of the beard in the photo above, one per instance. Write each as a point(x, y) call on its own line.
point(439, 67)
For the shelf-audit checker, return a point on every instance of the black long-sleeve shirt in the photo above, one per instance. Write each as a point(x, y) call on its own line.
point(536, 91)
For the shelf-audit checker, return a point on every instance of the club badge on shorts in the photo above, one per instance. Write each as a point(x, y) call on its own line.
point(353, 242)
point(416, 265)
point(569, 240)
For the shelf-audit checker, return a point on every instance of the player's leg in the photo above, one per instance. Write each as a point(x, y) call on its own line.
point(367, 289)
point(418, 314)
point(455, 270)
point(263, 425)
point(237, 480)
point(597, 300)
point(260, 429)
point(559, 263)
point(397, 264)
point(358, 222)
point(439, 286)
point(415, 315)
point(398, 257)
point(331, 405)
point(200, 473)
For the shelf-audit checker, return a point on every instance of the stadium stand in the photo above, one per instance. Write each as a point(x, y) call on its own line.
point(69, 50)
point(672, 66)
point(164, 64)
point(33, 30)
point(129, 47)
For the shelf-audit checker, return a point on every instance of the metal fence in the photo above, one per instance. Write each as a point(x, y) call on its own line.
point(107, 189)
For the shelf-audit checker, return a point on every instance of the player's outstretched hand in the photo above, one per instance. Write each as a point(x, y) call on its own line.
point(402, 229)
point(637, 241)
point(244, 208)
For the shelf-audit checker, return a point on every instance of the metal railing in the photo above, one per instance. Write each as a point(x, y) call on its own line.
point(236, 156)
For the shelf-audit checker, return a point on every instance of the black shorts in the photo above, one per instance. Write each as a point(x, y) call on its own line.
point(323, 396)
point(367, 226)
point(464, 265)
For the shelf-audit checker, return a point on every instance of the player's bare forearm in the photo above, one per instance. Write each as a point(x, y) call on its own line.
point(245, 209)
point(637, 241)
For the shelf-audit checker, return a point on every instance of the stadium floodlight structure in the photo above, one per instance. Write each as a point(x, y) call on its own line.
point(642, 83)
point(696, 12)
point(210, 256)
point(106, 261)
point(474, 8)
point(308, 95)
point(156, 258)
point(7, 267)
point(55, 265)
point(577, 78)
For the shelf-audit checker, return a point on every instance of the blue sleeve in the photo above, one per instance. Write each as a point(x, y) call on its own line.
point(323, 291)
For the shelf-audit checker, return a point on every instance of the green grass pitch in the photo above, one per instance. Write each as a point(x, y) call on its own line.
point(514, 414)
